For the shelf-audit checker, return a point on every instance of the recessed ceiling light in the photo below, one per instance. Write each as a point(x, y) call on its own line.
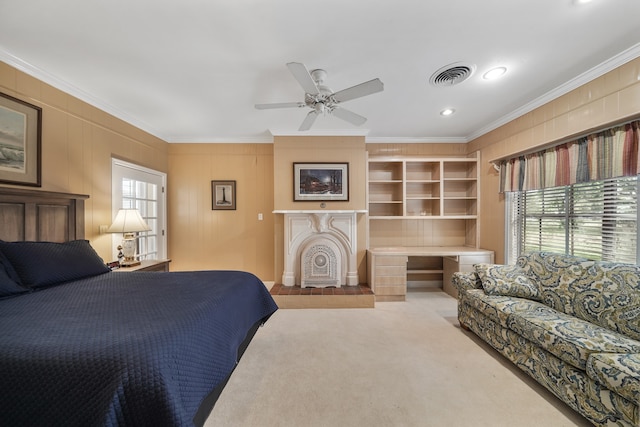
point(581, 1)
point(447, 112)
point(494, 73)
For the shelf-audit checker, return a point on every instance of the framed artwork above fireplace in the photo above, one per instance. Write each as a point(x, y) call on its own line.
point(320, 182)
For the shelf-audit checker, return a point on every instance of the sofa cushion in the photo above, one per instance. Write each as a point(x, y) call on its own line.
point(617, 372)
point(508, 280)
point(464, 281)
point(608, 294)
point(567, 337)
point(555, 275)
point(498, 307)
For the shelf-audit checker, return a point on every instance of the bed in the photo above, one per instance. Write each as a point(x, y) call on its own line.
point(84, 346)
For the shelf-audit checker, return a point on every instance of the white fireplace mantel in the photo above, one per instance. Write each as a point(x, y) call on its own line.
point(329, 229)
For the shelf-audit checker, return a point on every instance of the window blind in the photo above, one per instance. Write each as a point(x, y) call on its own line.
point(596, 220)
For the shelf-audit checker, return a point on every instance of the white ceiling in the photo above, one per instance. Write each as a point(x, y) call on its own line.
point(192, 70)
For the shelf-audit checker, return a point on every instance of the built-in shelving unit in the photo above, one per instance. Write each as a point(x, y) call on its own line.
point(394, 270)
point(422, 222)
point(410, 188)
point(401, 188)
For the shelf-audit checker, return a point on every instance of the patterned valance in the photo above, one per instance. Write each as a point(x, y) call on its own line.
point(610, 153)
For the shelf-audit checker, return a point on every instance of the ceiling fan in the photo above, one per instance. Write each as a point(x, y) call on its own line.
point(321, 99)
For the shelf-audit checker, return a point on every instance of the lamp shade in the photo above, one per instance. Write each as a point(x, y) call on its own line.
point(128, 221)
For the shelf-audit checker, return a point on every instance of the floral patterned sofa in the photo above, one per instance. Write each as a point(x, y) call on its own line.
point(570, 323)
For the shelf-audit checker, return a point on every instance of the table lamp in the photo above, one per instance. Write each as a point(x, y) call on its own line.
point(129, 222)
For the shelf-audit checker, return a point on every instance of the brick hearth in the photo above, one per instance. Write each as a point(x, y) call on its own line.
point(343, 297)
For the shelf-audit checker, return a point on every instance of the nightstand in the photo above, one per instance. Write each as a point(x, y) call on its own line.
point(147, 265)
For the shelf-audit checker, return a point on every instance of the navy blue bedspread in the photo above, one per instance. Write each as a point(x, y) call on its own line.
point(121, 349)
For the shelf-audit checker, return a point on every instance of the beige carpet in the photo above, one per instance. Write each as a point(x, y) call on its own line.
point(399, 364)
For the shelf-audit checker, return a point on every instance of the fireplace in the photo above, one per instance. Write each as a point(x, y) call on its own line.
point(320, 248)
point(320, 265)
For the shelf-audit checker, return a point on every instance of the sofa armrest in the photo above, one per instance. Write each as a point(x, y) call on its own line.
point(465, 281)
point(617, 372)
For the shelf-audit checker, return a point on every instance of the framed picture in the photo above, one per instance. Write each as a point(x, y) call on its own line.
point(223, 195)
point(20, 141)
point(321, 181)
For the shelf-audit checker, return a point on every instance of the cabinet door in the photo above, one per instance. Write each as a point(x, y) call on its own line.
point(388, 276)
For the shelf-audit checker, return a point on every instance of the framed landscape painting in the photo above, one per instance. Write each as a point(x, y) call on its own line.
point(20, 141)
point(321, 181)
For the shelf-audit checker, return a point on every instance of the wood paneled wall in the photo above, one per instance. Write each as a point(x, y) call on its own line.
point(605, 101)
point(201, 238)
point(78, 142)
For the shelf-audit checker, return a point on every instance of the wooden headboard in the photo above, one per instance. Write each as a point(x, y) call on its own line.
point(31, 215)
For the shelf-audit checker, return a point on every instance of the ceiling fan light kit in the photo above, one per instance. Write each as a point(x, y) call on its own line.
point(321, 99)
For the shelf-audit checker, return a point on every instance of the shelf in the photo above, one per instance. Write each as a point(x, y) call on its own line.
point(458, 207)
point(385, 192)
point(423, 207)
point(422, 189)
point(422, 170)
point(414, 192)
point(421, 217)
point(460, 168)
point(389, 209)
point(424, 269)
point(460, 188)
point(385, 171)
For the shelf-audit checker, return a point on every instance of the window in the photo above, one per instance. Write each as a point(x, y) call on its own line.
point(141, 188)
point(596, 220)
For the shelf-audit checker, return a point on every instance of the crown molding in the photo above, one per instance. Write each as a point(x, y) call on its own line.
point(599, 70)
point(595, 72)
point(72, 90)
point(219, 140)
point(320, 132)
point(421, 140)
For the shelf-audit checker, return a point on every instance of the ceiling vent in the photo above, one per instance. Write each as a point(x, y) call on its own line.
point(452, 74)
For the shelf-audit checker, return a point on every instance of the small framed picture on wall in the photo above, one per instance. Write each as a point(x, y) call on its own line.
point(223, 195)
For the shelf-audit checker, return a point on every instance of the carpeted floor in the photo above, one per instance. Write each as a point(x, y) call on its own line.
point(400, 364)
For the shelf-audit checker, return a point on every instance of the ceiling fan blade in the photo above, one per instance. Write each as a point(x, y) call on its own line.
point(348, 116)
point(363, 89)
point(303, 77)
point(280, 105)
point(308, 121)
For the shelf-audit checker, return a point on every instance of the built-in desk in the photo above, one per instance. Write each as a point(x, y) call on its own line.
point(389, 267)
